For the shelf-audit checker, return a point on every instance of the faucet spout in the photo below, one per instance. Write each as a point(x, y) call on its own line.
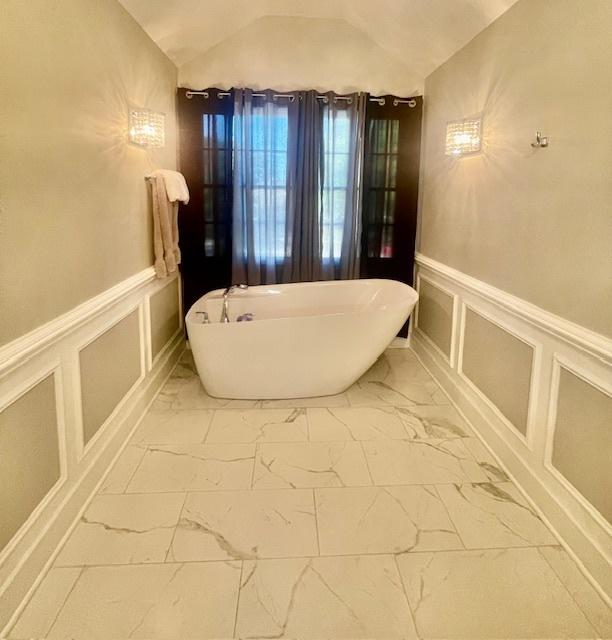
point(226, 295)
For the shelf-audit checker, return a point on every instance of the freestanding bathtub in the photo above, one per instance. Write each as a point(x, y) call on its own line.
point(307, 339)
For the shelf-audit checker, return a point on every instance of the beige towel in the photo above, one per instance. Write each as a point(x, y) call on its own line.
point(165, 229)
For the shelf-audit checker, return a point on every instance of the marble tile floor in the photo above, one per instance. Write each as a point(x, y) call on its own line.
point(372, 514)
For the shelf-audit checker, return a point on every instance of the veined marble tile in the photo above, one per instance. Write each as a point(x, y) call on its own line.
point(590, 602)
point(192, 395)
point(245, 525)
point(194, 467)
point(339, 400)
point(355, 423)
point(40, 613)
point(341, 597)
point(259, 425)
point(485, 460)
point(168, 393)
point(433, 421)
point(493, 515)
point(421, 462)
point(173, 427)
point(383, 520)
point(509, 593)
point(376, 393)
point(127, 463)
point(310, 464)
point(396, 367)
point(161, 601)
point(123, 529)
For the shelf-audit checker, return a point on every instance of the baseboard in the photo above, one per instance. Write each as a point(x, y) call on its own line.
point(587, 551)
point(53, 350)
point(63, 522)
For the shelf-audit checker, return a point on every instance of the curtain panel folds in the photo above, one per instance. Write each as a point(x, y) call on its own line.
point(297, 176)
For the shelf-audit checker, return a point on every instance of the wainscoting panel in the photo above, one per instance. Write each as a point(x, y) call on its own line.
point(581, 435)
point(110, 365)
point(30, 452)
point(538, 391)
point(71, 393)
point(435, 315)
point(166, 318)
point(498, 364)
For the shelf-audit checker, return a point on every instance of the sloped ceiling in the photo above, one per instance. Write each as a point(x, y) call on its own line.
point(416, 36)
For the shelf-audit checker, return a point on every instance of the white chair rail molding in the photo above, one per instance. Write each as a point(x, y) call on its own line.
point(71, 392)
point(306, 319)
point(526, 378)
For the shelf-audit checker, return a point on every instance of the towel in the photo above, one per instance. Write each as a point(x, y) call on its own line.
point(176, 187)
point(165, 227)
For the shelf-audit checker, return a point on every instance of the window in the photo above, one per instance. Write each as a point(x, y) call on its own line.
point(381, 181)
point(335, 183)
point(217, 182)
point(267, 152)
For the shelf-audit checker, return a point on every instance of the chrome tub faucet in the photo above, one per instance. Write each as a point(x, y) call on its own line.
point(226, 295)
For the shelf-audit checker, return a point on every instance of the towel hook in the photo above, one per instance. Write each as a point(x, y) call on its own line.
point(540, 141)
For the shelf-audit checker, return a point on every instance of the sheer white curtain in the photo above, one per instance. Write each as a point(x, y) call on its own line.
point(297, 176)
point(260, 188)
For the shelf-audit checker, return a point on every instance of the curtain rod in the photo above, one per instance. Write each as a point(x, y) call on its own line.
point(381, 101)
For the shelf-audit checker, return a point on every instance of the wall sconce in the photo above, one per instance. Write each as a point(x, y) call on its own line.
point(147, 128)
point(463, 137)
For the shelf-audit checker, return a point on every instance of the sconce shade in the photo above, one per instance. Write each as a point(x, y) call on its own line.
point(463, 137)
point(147, 128)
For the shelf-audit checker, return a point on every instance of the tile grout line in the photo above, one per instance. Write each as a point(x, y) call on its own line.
point(461, 540)
point(314, 502)
point(238, 598)
point(365, 456)
point(213, 413)
point(127, 484)
point(399, 572)
point(64, 601)
point(180, 513)
point(584, 613)
point(326, 555)
point(256, 451)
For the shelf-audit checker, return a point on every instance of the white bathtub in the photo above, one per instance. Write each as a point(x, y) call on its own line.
point(308, 339)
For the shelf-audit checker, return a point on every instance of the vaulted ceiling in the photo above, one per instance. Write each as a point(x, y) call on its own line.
point(419, 35)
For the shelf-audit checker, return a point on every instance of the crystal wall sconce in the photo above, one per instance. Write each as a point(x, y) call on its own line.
point(463, 137)
point(147, 128)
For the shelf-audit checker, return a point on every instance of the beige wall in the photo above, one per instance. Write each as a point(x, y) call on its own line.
point(110, 365)
point(288, 53)
point(582, 445)
point(165, 318)
point(436, 315)
point(499, 364)
point(535, 223)
point(74, 215)
point(30, 455)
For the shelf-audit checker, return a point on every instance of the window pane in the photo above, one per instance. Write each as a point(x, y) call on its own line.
point(209, 240)
point(209, 214)
point(386, 246)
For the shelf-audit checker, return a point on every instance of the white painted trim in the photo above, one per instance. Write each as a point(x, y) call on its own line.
point(519, 469)
point(51, 369)
point(82, 448)
point(526, 440)
point(73, 490)
point(570, 332)
point(148, 336)
point(55, 347)
point(176, 333)
point(19, 350)
point(561, 362)
point(451, 357)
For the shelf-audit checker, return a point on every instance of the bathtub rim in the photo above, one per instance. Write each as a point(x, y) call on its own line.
point(412, 300)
